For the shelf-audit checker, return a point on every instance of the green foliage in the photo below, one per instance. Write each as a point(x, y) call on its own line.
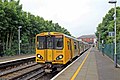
point(9, 52)
point(107, 26)
point(12, 16)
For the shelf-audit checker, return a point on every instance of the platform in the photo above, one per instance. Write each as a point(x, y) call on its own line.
point(16, 57)
point(92, 65)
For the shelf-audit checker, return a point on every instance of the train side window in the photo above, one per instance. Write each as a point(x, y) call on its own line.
point(78, 45)
point(68, 44)
point(75, 45)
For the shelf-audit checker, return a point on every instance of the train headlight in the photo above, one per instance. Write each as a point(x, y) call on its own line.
point(59, 57)
point(39, 56)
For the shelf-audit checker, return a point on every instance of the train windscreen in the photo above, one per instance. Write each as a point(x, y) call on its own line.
point(58, 42)
point(50, 42)
point(41, 42)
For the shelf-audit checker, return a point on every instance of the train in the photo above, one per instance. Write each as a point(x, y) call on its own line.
point(55, 49)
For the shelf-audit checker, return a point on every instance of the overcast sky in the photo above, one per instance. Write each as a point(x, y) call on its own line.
point(79, 17)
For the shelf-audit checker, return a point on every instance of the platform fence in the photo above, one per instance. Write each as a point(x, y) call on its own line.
point(108, 49)
point(25, 48)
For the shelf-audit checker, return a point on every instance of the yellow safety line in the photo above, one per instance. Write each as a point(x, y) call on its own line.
point(78, 70)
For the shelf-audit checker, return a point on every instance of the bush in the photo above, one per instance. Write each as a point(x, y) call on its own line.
point(9, 52)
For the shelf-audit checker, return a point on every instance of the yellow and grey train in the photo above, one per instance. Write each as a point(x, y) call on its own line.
point(55, 49)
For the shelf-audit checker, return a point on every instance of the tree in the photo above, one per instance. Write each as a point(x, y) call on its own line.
point(11, 17)
point(107, 26)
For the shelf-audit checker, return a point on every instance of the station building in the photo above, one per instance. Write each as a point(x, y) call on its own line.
point(91, 39)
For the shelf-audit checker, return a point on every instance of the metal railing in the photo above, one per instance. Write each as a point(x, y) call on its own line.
point(108, 49)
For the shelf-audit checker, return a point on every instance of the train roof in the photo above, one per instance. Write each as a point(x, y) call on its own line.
point(49, 33)
point(71, 37)
point(59, 33)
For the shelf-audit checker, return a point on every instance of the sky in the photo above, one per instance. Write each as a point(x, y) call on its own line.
point(79, 17)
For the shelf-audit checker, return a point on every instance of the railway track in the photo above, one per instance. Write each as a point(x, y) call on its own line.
point(23, 73)
point(16, 63)
point(18, 69)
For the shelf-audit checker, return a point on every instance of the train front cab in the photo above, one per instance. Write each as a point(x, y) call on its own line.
point(50, 48)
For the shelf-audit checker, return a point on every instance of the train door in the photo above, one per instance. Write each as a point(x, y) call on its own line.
point(49, 50)
point(71, 55)
point(68, 49)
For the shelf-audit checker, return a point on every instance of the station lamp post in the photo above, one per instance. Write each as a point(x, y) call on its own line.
point(19, 41)
point(115, 54)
